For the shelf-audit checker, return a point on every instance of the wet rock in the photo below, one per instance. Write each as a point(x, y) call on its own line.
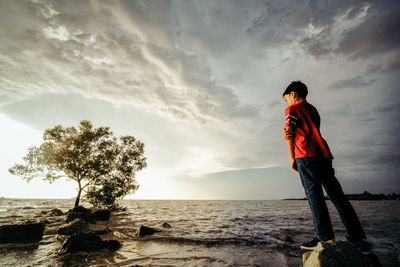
point(74, 227)
point(103, 231)
point(88, 242)
point(102, 215)
point(53, 212)
point(21, 233)
point(88, 217)
point(286, 238)
point(80, 209)
point(56, 212)
point(166, 225)
point(30, 221)
point(335, 254)
point(144, 230)
point(45, 221)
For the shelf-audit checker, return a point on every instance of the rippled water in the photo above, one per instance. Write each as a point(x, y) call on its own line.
point(202, 233)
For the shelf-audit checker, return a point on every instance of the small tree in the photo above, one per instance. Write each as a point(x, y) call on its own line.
point(93, 157)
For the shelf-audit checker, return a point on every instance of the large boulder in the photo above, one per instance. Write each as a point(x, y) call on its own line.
point(88, 242)
point(80, 209)
point(102, 215)
point(144, 230)
point(86, 216)
point(335, 253)
point(22, 233)
point(76, 226)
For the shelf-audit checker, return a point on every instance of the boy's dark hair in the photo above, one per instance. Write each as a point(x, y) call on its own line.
point(298, 87)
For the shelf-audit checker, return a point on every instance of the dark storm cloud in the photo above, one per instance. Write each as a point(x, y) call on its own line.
point(355, 82)
point(378, 34)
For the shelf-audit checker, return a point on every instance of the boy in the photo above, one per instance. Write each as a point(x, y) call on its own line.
point(312, 159)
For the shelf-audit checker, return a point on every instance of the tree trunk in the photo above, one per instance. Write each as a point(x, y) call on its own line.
point(78, 197)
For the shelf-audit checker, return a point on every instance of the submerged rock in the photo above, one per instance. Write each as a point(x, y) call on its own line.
point(335, 254)
point(144, 230)
point(88, 217)
point(102, 215)
point(56, 212)
point(76, 226)
point(88, 242)
point(53, 212)
point(166, 225)
point(286, 238)
point(22, 233)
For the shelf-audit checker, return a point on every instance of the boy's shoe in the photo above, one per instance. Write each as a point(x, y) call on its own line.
point(310, 245)
point(361, 246)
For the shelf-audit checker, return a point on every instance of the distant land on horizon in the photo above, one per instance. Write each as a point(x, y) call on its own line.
point(364, 196)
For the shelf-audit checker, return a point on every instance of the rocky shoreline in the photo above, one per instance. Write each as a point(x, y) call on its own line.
point(79, 230)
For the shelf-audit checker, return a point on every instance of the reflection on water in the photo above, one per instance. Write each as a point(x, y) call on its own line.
point(202, 233)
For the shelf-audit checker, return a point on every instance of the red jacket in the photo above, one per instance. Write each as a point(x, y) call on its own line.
point(305, 120)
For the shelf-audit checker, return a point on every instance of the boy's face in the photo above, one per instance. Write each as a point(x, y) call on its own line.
point(289, 98)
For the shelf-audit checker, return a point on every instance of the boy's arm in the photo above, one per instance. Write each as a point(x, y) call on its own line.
point(290, 142)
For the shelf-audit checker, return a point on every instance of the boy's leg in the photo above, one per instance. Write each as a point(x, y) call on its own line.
point(346, 211)
point(310, 172)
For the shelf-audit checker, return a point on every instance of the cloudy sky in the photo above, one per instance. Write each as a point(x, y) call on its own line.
point(200, 83)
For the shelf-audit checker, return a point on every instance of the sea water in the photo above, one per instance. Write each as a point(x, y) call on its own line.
point(202, 233)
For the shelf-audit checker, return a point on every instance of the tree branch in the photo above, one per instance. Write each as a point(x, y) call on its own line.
point(91, 180)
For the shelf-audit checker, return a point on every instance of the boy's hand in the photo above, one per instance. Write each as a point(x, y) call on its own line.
point(288, 133)
point(294, 165)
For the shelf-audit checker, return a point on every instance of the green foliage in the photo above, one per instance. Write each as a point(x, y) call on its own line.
point(107, 195)
point(93, 157)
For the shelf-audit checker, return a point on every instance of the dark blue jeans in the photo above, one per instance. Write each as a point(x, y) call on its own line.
point(318, 172)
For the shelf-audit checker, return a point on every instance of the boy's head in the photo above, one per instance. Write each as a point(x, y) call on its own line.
point(294, 92)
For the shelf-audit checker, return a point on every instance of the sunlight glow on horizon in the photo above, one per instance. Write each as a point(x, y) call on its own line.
point(16, 138)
